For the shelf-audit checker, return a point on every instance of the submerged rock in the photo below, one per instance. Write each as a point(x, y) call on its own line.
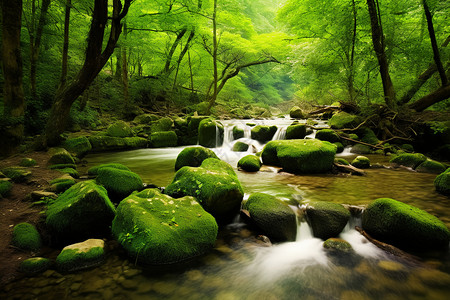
point(79, 146)
point(250, 163)
point(300, 156)
point(326, 219)
point(210, 133)
point(26, 237)
point(404, 226)
point(409, 160)
point(193, 157)
point(214, 184)
point(274, 217)
point(119, 129)
point(119, 183)
point(442, 183)
point(263, 133)
point(296, 131)
point(361, 162)
point(87, 254)
point(157, 229)
point(162, 139)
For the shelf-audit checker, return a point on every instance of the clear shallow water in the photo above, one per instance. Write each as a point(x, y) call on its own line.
point(242, 266)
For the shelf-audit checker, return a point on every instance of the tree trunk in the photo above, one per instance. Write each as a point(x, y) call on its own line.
point(351, 88)
point(126, 95)
point(174, 46)
point(440, 94)
point(214, 55)
point(94, 61)
point(65, 52)
point(12, 123)
point(379, 47)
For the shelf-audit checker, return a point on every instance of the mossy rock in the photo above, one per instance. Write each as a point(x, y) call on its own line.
point(339, 147)
point(240, 147)
point(337, 244)
point(27, 162)
point(17, 174)
point(80, 256)
point(119, 183)
point(442, 183)
point(360, 149)
point(296, 113)
point(194, 123)
point(214, 184)
point(163, 139)
point(431, 166)
point(407, 147)
point(361, 162)
point(93, 171)
point(326, 219)
point(60, 156)
point(70, 171)
point(5, 188)
point(210, 133)
point(328, 135)
point(274, 217)
point(163, 124)
point(157, 229)
point(341, 161)
point(343, 120)
point(300, 156)
point(367, 135)
point(193, 157)
point(145, 119)
point(119, 129)
point(35, 265)
point(409, 160)
point(296, 131)
point(249, 163)
point(263, 133)
point(238, 133)
point(404, 226)
point(61, 184)
point(79, 146)
point(62, 166)
point(84, 210)
point(135, 142)
point(180, 123)
point(26, 237)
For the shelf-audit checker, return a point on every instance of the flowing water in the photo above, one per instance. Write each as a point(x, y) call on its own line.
point(243, 265)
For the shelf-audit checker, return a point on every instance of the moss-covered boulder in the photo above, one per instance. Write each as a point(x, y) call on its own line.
point(80, 256)
point(300, 156)
point(367, 135)
point(84, 210)
point(296, 113)
point(26, 237)
point(328, 135)
point(35, 265)
point(343, 120)
point(109, 143)
point(60, 156)
point(61, 184)
point(341, 161)
point(145, 119)
point(240, 147)
point(163, 124)
point(210, 133)
point(79, 146)
point(442, 183)
point(214, 184)
point(27, 162)
point(157, 229)
point(337, 244)
point(5, 188)
point(410, 160)
point(361, 162)
point(339, 147)
point(72, 172)
point(431, 166)
point(296, 131)
point(119, 183)
point(326, 219)
point(274, 217)
point(263, 133)
point(119, 129)
point(249, 163)
point(93, 171)
point(404, 226)
point(17, 174)
point(238, 132)
point(193, 157)
point(163, 139)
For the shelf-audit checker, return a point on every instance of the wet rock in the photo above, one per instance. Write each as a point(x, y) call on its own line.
point(249, 163)
point(210, 133)
point(164, 288)
point(35, 265)
point(81, 256)
point(338, 245)
point(361, 162)
point(119, 183)
point(339, 147)
point(328, 135)
point(26, 237)
point(296, 113)
point(296, 131)
point(263, 133)
point(193, 157)
point(240, 147)
point(432, 277)
point(78, 147)
point(326, 219)
point(27, 162)
point(60, 156)
point(162, 139)
point(409, 160)
point(431, 166)
point(442, 183)
point(163, 124)
point(93, 171)
point(119, 129)
point(343, 120)
point(238, 133)
point(341, 161)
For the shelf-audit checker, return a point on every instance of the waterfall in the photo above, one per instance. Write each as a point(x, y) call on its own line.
point(228, 136)
point(247, 132)
point(217, 136)
point(280, 134)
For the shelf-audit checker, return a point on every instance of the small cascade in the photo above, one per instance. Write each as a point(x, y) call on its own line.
point(280, 134)
point(304, 232)
point(359, 243)
point(217, 136)
point(346, 152)
point(227, 136)
point(247, 132)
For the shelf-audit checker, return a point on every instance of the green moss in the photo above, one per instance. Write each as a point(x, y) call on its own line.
point(263, 133)
point(296, 113)
point(341, 161)
point(81, 256)
point(328, 135)
point(108, 143)
point(214, 184)
point(60, 156)
point(157, 229)
point(368, 136)
point(17, 174)
point(83, 210)
point(240, 147)
point(297, 131)
point(26, 237)
point(339, 147)
point(62, 166)
point(407, 147)
point(343, 120)
point(404, 226)
point(249, 163)
point(194, 123)
point(210, 133)
point(360, 149)
point(361, 162)
point(93, 171)
point(409, 160)
point(353, 136)
point(337, 244)
point(163, 124)
point(35, 265)
point(327, 219)
point(145, 119)
point(79, 146)
point(27, 162)
point(442, 183)
point(431, 166)
point(193, 157)
point(300, 156)
point(163, 139)
point(70, 171)
point(5, 188)
point(119, 129)
point(238, 133)
point(60, 185)
point(119, 183)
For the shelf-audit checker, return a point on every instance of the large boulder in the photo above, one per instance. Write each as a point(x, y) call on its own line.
point(60, 156)
point(327, 219)
point(193, 157)
point(210, 133)
point(163, 124)
point(343, 120)
point(79, 146)
point(431, 166)
point(240, 147)
point(442, 183)
point(296, 113)
point(249, 163)
point(119, 183)
point(361, 162)
point(81, 211)
point(274, 217)
point(119, 129)
point(80, 256)
point(93, 171)
point(367, 135)
point(162, 139)
point(26, 237)
point(214, 184)
point(404, 226)
point(411, 160)
point(238, 133)
point(157, 229)
point(328, 135)
point(263, 133)
point(300, 156)
point(296, 131)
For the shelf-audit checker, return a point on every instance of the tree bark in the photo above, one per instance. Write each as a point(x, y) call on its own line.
point(65, 52)
point(214, 56)
point(12, 123)
point(440, 94)
point(379, 47)
point(351, 88)
point(126, 95)
point(94, 61)
point(175, 44)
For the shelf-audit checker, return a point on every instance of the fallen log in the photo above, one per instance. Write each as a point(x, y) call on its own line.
point(359, 142)
point(350, 169)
